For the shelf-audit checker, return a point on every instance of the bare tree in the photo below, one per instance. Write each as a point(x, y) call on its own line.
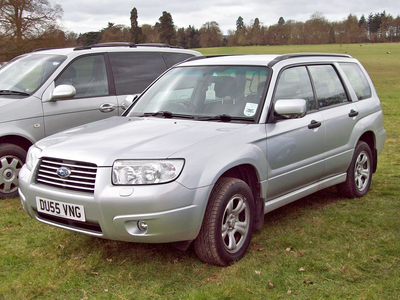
point(23, 21)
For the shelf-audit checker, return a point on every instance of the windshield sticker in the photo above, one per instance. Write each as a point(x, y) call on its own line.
point(56, 63)
point(250, 109)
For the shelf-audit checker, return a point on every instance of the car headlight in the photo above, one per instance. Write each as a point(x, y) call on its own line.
point(32, 157)
point(134, 172)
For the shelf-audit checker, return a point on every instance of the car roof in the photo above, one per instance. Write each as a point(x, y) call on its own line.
point(115, 47)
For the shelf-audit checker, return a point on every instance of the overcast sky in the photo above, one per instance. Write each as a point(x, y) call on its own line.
point(81, 16)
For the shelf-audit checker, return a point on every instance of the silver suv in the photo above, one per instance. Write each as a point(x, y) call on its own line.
point(47, 91)
point(208, 149)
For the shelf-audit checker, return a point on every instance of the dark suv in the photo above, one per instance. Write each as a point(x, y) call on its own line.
point(47, 91)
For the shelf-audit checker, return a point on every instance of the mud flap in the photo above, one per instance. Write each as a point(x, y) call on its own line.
point(259, 214)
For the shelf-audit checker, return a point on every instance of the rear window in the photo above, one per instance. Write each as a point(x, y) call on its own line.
point(357, 79)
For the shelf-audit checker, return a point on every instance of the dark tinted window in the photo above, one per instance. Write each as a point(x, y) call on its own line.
point(173, 58)
point(133, 72)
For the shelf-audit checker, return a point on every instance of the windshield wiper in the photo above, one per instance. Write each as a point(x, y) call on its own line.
point(167, 114)
point(222, 118)
point(10, 92)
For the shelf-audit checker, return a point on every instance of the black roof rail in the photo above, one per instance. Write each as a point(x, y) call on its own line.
point(305, 54)
point(207, 56)
point(110, 44)
point(158, 45)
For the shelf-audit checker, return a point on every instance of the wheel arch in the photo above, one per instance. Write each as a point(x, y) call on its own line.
point(369, 138)
point(248, 174)
point(16, 140)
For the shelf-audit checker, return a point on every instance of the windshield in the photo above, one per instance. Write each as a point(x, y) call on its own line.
point(27, 73)
point(206, 93)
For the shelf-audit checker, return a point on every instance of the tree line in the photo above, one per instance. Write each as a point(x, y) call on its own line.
point(30, 24)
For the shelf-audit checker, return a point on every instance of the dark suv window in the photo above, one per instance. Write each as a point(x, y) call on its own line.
point(133, 72)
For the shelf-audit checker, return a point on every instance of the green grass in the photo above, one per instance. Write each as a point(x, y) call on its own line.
point(320, 247)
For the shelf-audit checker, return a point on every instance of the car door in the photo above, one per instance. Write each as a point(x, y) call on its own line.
point(339, 114)
point(94, 98)
point(295, 147)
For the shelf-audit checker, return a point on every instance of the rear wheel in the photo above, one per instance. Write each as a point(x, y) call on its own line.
point(228, 223)
point(359, 174)
point(12, 158)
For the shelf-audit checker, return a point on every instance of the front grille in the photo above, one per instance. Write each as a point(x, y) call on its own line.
point(82, 178)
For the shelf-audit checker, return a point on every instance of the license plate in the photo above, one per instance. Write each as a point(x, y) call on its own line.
point(61, 209)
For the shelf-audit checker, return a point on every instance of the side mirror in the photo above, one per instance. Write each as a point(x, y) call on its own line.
point(128, 101)
point(291, 108)
point(63, 91)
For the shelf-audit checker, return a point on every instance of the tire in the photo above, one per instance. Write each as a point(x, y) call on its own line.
point(12, 158)
point(359, 174)
point(228, 223)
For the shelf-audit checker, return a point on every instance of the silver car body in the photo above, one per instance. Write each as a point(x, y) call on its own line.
point(289, 158)
point(47, 103)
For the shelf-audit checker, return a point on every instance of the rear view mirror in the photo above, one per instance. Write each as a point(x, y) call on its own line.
point(63, 91)
point(291, 108)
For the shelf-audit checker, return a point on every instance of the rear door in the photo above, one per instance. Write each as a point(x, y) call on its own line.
point(340, 115)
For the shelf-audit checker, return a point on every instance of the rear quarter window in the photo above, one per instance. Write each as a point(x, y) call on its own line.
point(357, 79)
point(174, 58)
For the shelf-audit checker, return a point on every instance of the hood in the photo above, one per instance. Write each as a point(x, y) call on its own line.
point(105, 141)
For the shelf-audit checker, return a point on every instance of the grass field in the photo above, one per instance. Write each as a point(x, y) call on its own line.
point(320, 247)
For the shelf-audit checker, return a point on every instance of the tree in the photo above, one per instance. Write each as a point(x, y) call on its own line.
point(89, 38)
point(210, 35)
point(25, 22)
point(239, 23)
point(166, 28)
point(115, 33)
point(136, 31)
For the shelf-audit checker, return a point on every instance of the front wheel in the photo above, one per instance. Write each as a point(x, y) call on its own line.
point(359, 174)
point(12, 158)
point(228, 223)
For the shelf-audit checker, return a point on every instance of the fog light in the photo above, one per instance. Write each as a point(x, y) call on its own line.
point(142, 225)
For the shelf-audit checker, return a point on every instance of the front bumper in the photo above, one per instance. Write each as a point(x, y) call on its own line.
point(171, 211)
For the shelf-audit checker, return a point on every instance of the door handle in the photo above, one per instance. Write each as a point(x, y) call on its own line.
point(314, 124)
point(107, 107)
point(353, 113)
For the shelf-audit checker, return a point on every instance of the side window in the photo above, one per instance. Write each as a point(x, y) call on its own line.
point(328, 87)
point(174, 58)
point(88, 75)
point(294, 83)
point(357, 79)
point(134, 71)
